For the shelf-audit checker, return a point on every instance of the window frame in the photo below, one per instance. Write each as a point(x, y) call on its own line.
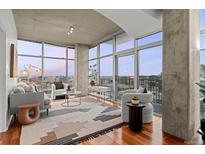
point(42, 56)
point(132, 51)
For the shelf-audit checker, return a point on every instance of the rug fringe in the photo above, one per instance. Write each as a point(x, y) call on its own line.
point(63, 141)
point(98, 134)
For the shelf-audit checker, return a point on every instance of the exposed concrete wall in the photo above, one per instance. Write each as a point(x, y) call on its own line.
point(81, 68)
point(8, 29)
point(180, 72)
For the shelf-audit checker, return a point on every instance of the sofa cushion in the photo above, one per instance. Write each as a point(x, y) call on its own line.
point(59, 92)
point(29, 88)
point(140, 90)
point(59, 85)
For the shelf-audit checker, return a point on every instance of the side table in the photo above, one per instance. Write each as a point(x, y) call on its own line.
point(135, 116)
point(23, 114)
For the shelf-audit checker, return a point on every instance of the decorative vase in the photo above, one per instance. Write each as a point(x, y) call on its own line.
point(135, 102)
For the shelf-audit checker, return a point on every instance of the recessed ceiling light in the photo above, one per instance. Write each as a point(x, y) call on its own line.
point(71, 28)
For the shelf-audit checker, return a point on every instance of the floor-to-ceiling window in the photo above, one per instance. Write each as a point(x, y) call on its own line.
point(125, 57)
point(124, 42)
point(55, 62)
point(118, 60)
point(150, 67)
point(125, 74)
point(106, 72)
point(29, 54)
point(93, 69)
point(202, 57)
point(70, 66)
point(202, 46)
point(106, 64)
point(150, 73)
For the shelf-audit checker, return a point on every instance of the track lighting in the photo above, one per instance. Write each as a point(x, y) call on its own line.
point(70, 30)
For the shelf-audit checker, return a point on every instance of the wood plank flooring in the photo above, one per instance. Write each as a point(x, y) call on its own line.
point(151, 134)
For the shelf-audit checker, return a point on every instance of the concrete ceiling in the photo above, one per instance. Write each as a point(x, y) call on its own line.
point(51, 26)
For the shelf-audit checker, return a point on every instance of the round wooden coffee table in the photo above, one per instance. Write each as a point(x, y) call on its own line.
point(23, 113)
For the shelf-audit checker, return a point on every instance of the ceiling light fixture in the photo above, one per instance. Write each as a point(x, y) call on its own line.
point(70, 29)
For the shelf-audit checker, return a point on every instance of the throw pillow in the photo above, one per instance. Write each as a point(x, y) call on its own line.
point(32, 88)
point(145, 90)
point(26, 88)
point(37, 87)
point(59, 85)
point(18, 90)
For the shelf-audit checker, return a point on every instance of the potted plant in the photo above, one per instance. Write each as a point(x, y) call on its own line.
point(202, 90)
point(135, 100)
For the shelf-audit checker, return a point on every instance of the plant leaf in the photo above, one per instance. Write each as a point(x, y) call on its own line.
point(201, 85)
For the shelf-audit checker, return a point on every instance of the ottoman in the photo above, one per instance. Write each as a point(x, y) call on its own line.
point(23, 113)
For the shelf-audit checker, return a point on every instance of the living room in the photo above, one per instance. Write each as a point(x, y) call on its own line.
point(88, 77)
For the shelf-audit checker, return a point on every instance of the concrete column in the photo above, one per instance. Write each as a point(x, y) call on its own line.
point(81, 68)
point(180, 72)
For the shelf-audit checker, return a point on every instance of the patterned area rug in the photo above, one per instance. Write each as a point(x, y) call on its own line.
point(69, 125)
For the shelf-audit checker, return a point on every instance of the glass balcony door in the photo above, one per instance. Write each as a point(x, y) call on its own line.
point(150, 74)
point(125, 74)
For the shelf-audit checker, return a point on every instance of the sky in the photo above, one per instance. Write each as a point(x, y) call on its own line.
point(202, 40)
point(150, 59)
point(202, 19)
point(150, 62)
point(53, 67)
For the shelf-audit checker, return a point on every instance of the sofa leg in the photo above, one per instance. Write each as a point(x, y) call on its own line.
point(15, 118)
point(47, 110)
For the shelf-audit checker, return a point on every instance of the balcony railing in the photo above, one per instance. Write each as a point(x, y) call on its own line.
point(153, 84)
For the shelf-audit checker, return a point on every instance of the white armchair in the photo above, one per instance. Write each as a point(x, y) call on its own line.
point(146, 98)
point(58, 92)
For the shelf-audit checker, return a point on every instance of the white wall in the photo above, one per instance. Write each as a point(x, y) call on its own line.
point(135, 22)
point(8, 27)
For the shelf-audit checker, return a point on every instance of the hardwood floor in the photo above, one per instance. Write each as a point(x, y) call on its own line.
point(151, 134)
point(12, 135)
